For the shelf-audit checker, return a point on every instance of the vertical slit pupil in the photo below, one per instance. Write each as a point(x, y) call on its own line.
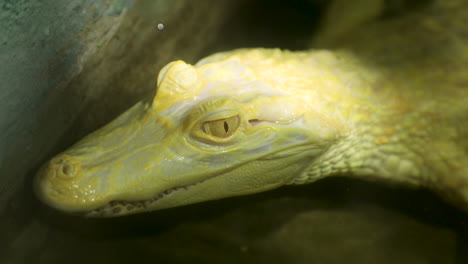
point(226, 127)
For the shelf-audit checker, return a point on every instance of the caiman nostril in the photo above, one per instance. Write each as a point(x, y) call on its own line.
point(68, 170)
point(66, 166)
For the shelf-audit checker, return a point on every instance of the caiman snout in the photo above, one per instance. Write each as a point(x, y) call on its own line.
point(65, 167)
point(61, 184)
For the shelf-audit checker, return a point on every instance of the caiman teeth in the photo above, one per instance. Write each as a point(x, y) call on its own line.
point(117, 207)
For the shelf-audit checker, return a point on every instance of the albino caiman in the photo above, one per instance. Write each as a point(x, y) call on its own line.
point(389, 103)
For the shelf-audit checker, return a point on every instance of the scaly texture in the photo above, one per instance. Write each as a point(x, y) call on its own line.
point(391, 104)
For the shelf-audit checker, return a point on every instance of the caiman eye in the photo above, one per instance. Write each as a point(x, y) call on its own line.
point(221, 128)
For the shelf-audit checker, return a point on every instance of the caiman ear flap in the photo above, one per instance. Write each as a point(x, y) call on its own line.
point(175, 80)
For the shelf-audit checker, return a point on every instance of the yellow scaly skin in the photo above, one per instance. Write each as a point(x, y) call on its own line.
point(390, 106)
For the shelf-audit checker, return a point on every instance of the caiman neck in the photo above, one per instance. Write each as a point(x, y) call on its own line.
point(392, 137)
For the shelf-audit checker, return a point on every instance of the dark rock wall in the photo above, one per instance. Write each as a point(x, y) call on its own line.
point(40, 48)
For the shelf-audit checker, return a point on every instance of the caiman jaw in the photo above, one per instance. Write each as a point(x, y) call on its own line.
point(122, 207)
point(65, 168)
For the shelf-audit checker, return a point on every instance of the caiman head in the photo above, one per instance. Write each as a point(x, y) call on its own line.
point(224, 127)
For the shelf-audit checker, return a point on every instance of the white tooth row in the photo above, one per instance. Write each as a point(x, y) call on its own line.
point(115, 207)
